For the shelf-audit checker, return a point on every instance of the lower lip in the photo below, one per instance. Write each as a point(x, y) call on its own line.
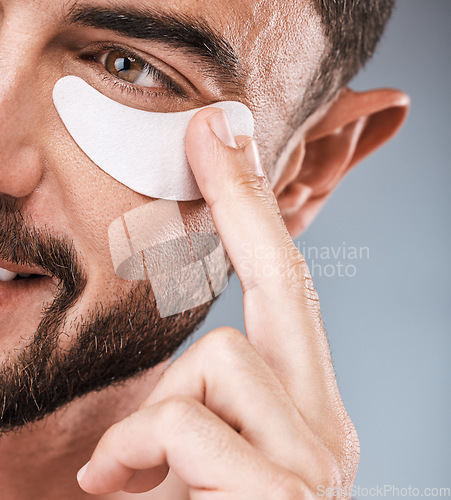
point(18, 293)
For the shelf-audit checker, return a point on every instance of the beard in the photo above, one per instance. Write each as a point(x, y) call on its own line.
point(112, 343)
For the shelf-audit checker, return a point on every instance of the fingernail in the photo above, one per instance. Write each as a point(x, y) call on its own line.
point(81, 472)
point(220, 125)
point(253, 157)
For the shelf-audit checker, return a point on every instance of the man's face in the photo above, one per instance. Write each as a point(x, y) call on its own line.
point(78, 327)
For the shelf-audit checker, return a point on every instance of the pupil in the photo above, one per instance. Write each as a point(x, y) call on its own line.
point(123, 64)
point(125, 67)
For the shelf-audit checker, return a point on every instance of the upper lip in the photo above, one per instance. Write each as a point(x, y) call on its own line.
point(4, 264)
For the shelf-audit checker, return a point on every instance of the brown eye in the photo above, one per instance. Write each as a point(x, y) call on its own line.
point(125, 66)
point(129, 69)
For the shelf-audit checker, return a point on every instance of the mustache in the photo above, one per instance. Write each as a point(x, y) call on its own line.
point(23, 244)
point(110, 343)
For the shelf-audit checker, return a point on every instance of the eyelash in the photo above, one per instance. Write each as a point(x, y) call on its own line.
point(168, 83)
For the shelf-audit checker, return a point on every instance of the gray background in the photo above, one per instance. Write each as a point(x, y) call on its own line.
point(389, 326)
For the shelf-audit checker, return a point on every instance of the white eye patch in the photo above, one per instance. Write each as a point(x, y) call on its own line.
point(143, 150)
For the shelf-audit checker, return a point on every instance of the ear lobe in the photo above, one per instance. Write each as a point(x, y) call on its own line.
point(354, 125)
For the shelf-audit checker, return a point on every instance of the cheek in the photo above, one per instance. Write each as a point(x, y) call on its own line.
point(92, 201)
point(85, 201)
point(124, 238)
point(197, 217)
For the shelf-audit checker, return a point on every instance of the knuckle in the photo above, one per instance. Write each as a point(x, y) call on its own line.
point(353, 445)
point(339, 458)
point(325, 470)
point(119, 440)
point(338, 466)
point(245, 181)
point(247, 184)
point(178, 410)
point(351, 438)
point(331, 476)
point(112, 435)
point(289, 486)
point(350, 454)
point(222, 340)
point(297, 275)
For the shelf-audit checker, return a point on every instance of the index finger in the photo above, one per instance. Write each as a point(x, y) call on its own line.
point(281, 309)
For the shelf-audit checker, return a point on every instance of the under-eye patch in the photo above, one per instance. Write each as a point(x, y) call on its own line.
point(143, 150)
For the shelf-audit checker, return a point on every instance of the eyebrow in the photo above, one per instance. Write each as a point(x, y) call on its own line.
point(192, 35)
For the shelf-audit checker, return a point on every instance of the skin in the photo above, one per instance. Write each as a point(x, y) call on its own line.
point(224, 382)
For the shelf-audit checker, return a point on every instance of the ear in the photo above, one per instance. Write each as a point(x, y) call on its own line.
point(329, 144)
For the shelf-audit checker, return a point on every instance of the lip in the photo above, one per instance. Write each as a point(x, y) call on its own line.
point(15, 268)
point(28, 294)
point(25, 294)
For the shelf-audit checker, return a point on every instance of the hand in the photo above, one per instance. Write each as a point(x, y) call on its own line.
point(235, 417)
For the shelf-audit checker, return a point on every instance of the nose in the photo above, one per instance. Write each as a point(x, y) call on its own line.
point(20, 157)
point(20, 171)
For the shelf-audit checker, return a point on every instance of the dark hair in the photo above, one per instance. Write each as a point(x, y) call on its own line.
point(353, 29)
